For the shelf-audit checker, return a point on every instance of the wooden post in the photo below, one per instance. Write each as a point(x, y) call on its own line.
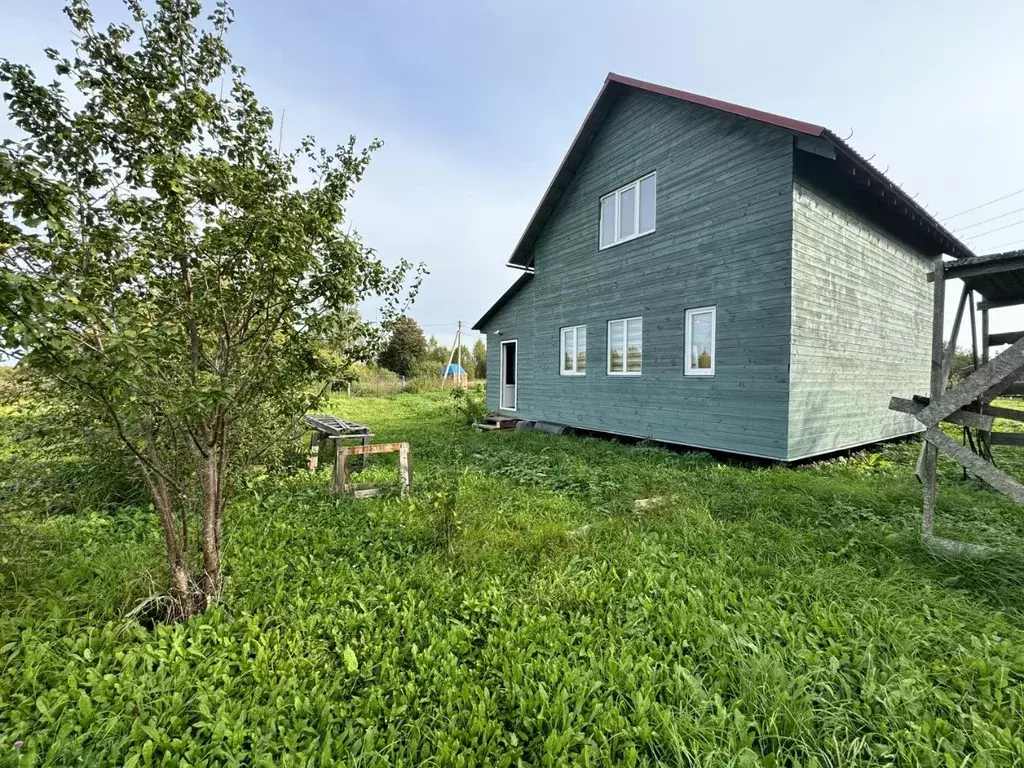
point(931, 455)
point(974, 333)
point(340, 482)
point(314, 451)
point(985, 438)
point(404, 469)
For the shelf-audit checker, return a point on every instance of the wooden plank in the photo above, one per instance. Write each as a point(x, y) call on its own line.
point(368, 493)
point(996, 478)
point(362, 450)
point(963, 418)
point(1007, 438)
point(404, 468)
point(984, 306)
point(1006, 389)
point(340, 481)
point(999, 339)
point(929, 457)
point(992, 373)
point(1000, 412)
point(314, 451)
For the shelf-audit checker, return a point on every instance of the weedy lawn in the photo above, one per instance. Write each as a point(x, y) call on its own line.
point(518, 610)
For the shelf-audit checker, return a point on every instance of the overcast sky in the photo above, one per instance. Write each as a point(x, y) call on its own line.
point(477, 101)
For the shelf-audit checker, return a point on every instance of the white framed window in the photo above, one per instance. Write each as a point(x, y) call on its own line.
point(625, 346)
point(629, 212)
point(700, 341)
point(574, 351)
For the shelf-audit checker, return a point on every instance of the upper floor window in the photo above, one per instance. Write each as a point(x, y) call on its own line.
point(625, 346)
point(574, 351)
point(628, 212)
point(700, 342)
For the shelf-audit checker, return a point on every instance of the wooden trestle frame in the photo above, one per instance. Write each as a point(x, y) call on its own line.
point(969, 403)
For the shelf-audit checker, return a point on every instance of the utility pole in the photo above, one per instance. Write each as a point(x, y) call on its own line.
point(451, 357)
point(458, 340)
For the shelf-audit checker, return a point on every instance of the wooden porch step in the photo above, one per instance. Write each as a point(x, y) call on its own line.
point(500, 422)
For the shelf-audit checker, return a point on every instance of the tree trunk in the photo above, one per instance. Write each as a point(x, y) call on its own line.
point(212, 505)
point(177, 556)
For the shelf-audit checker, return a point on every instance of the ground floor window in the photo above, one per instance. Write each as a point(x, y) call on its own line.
point(700, 341)
point(625, 346)
point(574, 350)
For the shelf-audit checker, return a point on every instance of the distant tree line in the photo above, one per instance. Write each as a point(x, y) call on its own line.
point(408, 353)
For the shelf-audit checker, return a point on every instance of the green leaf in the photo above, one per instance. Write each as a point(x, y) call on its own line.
point(351, 663)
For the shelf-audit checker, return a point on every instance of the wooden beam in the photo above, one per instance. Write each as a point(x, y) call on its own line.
point(999, 304)
point(962, 418)
point(992, 373)
point(1006, 389)
point(1004, 413)
point(1007, 438)
point(974, 332)
point(947, 361)
point(983, 265)
point(996, 478)
point(929, 457)
point(360, 450)
point(999, 339)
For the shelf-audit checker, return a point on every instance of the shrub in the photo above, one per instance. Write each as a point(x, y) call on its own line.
point(14, 385)
point(471, 406)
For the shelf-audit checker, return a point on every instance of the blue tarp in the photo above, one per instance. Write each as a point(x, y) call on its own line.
point(453, 369)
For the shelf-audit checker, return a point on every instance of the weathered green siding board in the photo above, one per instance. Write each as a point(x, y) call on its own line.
point(861, 329)
point(724, 235)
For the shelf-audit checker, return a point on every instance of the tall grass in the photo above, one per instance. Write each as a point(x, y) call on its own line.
point(756, 616)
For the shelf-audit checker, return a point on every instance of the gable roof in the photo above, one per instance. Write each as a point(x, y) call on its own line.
point(513, 289)
point(848, 161)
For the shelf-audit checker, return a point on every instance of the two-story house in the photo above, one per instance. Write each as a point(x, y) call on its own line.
point(715, 276)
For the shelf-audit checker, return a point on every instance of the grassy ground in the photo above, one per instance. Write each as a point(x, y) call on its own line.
point(527, 614)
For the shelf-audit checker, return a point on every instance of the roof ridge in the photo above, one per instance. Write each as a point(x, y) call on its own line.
point(761, 115)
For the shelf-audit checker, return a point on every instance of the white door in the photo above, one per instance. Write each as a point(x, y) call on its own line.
point(509, 375)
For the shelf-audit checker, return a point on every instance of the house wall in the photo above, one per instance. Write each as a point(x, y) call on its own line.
point(861, 326)
point(723, 238)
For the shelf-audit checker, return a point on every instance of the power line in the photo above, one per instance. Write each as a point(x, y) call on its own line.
point(983, 205)
point(1009, 244)
point(998, 229)
point(986, 221)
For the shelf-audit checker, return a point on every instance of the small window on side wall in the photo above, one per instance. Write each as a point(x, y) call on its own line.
point(700, 341)
point(574, 351)
point(625, 346)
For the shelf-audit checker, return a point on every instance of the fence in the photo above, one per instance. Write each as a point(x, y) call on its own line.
point(383, 384)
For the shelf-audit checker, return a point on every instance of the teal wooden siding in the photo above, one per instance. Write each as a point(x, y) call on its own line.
point(723, 238)
point(861, 329)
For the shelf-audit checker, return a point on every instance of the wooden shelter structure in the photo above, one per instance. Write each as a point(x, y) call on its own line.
point(989, 282)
